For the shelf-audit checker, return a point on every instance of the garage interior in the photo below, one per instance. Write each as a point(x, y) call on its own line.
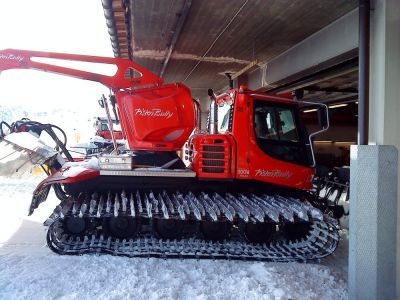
point(198, 43)
point(280, 47)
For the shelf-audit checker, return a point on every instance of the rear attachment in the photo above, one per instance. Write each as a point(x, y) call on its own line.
point(21, 151)
point(174, 225)
point(21, 147)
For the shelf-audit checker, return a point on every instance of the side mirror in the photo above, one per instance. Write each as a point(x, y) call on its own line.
point(323, 116)
point(323, 120)
point(299, 94)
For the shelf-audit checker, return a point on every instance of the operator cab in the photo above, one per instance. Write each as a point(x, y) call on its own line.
point(277, 127)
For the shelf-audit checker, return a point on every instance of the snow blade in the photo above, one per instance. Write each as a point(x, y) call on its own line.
point(19, 152)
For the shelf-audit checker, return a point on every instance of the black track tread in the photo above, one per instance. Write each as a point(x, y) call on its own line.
point(321, 242)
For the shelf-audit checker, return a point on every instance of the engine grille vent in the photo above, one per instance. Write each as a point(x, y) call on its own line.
point(214, 155)
point(213, 158)
point(213, 148)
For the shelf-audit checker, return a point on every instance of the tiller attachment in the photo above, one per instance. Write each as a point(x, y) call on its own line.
point(21, 151)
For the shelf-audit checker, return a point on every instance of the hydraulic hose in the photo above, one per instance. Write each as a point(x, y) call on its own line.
point(27, 125)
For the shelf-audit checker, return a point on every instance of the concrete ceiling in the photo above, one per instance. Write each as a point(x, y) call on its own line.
point(196, 42)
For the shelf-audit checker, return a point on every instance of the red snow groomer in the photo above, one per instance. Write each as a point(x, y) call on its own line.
point(103, 130)
point(246, 194)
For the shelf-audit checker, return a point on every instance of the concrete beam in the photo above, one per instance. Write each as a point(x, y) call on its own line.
point(333, 44)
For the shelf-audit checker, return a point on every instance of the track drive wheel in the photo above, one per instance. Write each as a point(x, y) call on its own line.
point(215, 231)
point(121, 227)
point(296, 231)
point(169, 228)
point(259, 232)
point(75, 225)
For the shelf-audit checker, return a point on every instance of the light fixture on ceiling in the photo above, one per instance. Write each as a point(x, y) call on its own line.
point(309, 110)
point(338, 105)
point(344, 143)
point(334, 142)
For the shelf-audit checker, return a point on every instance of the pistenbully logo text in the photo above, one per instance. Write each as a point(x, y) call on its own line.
point(273, 173)
point(155, 112)
point(12, 57)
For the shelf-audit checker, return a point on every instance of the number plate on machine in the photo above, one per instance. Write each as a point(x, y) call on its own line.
point(116, 162)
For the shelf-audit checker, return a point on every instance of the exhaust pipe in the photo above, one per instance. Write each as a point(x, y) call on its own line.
point(213, 120)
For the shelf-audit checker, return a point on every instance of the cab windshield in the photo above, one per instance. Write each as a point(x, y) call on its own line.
point(224, 113)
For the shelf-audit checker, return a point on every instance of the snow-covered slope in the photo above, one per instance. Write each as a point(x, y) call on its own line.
point(29, 270)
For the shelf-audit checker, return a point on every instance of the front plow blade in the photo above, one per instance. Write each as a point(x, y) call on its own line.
point(21, 151)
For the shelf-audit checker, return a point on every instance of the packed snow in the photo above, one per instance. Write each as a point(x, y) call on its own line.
point(29, 270)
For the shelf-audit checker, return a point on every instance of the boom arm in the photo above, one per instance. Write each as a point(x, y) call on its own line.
point(154, 116)
point(23, 59)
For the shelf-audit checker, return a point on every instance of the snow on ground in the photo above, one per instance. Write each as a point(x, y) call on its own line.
point(29, 270)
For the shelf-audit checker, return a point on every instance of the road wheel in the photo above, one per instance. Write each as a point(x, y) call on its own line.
point(296, 231)
point(259, 232)
point(121, 227)
point(215, 231)
point(169, 228)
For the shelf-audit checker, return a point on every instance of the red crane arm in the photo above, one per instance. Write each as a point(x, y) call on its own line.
point(23, 59)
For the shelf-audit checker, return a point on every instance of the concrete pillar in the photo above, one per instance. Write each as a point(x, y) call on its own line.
point(384, 110)
point(385, 73)
point(373, 208)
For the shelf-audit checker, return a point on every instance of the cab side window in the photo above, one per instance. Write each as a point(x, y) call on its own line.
point(104, 127)
point(275, 123)
point(277, 133)
point(287, 123)
point(264, 124)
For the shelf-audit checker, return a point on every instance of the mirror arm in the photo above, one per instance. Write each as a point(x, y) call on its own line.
point(324, 128)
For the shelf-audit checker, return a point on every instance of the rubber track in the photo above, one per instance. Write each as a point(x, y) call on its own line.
point(321, 241)
point(316, 246)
